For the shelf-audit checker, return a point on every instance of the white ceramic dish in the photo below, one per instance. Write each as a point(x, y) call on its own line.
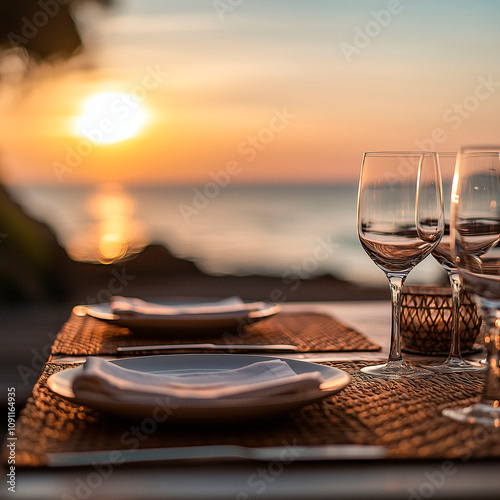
point(192, 410)
point(207, 321)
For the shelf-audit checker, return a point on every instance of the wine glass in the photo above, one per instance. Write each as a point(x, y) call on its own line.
point(400, 221)
point(475, 237)
point(442, 253)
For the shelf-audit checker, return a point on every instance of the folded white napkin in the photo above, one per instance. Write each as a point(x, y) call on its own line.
point(128, 306)
point(261, 379)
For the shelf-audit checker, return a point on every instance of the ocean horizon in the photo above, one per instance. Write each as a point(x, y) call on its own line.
point(282, 230)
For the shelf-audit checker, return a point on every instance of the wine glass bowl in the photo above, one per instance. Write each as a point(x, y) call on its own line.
point(442, 252)
point(475, 234)
point(400, 221)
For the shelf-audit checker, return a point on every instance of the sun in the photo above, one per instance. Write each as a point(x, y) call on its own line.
point(110, 117)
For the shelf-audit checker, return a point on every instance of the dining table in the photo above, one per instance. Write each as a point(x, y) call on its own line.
point(373, 439)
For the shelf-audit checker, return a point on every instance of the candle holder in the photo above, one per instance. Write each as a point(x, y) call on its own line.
point(426, 321)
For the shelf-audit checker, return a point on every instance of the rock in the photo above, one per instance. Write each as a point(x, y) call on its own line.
point(34, 266)
point(157, 260)
point(30, 255)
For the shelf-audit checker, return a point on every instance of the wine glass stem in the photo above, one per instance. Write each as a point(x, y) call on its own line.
point(396, 283)
point(456, 299)
point(491, 391)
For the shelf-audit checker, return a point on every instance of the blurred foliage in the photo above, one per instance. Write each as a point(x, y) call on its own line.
point(43, 29)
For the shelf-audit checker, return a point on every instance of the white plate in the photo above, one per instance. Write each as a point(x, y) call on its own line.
point(208, 322)
point(202, 410)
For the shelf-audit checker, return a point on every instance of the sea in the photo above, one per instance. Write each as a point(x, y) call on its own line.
point(298, 230)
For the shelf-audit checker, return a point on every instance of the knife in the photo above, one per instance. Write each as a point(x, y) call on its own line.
point(287, 453)
point(212, 347)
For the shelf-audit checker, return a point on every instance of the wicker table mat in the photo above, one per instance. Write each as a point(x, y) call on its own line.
point(403, 416)
point(87, 336)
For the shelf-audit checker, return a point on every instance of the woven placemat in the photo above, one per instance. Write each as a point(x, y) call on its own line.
point(403, 416)
point(87, 336)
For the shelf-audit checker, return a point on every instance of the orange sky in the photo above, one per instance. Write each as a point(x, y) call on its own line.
point(180, 142)
point(278, 97)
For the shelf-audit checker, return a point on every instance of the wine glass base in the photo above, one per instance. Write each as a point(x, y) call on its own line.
point(394, 370)
point(455, 365)
point(481, 413)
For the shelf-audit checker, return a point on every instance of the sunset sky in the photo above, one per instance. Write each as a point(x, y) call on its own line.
point(266, 91)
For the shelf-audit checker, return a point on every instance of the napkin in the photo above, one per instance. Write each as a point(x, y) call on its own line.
point(261, 379)
point(130, 307)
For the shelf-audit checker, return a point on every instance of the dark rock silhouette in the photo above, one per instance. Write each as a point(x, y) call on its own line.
point(34, 266)
point(29, 255)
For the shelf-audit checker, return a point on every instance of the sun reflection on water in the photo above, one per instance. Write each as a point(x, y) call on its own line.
point(115, 234)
